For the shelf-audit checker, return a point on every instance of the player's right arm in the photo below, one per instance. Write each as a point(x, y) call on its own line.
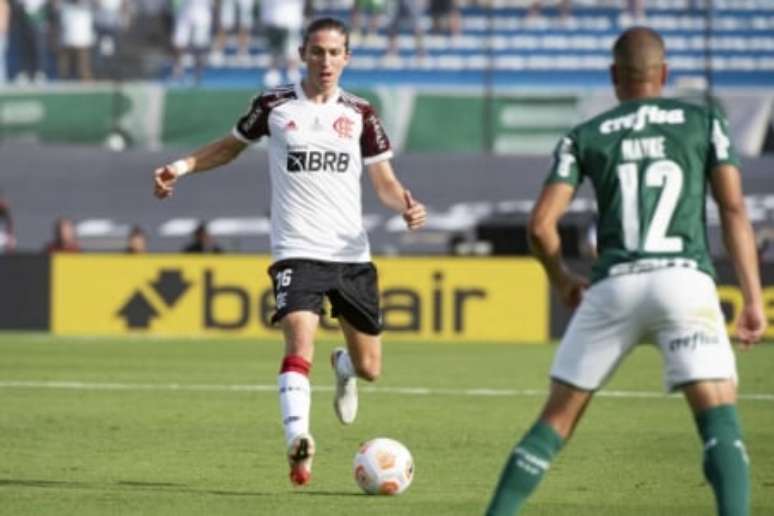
point(210, 156)
point(543, 227)
point(739, 240)
point(546, 244)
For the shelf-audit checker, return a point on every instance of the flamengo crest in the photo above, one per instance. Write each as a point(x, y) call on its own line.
point(343, 127)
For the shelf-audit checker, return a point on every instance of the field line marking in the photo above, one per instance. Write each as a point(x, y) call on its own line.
point(409, 391)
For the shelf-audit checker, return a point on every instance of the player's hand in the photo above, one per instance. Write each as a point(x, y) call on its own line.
point(164, 179)
point(571, 287)
point(415, 214)
point(750, 325)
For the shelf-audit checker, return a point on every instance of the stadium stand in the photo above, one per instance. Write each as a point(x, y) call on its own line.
point(504, 46)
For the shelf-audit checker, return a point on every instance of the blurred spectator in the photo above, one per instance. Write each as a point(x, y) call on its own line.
point(446, 17)
point(635, 9)
point(31, 18)
point(152, 22)
point(202, 241)
point(535, 8)
point(64, 240)
point(111, 17)
point(367, 17)
point(283, 21)
point(408, 14)
point(235, 14)
point(764, 238)
point(76, 39)
point(193, 26)
point(7, 235)
point(5, 20)
point(137, 242)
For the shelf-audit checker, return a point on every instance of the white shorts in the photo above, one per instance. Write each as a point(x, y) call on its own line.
point(192, 29)
point(677, 308)
point(233, 11)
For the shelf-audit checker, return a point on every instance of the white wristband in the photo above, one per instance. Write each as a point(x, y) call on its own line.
point(180, 167)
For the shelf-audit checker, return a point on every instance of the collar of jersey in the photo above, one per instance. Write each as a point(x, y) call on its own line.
point(302, 95)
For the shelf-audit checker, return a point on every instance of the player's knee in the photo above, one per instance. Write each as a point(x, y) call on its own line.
point(369, 369)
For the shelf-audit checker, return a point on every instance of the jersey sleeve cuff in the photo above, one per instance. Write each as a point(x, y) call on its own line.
point(239, 136)
point(567, 180)
point(370, 160)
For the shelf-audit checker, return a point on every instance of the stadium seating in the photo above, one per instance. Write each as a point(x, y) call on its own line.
point(503, 47)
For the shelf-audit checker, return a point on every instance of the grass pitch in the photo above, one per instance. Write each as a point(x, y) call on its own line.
point(166, 427)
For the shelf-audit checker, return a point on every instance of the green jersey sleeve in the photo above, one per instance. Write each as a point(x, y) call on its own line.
point(566, 165)
point(721, 150)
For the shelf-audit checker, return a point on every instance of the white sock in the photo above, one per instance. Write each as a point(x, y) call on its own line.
point(295, 403)
point(344, 365)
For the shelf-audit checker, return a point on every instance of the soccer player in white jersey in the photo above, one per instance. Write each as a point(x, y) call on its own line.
point(320, 137)
point(651, 161)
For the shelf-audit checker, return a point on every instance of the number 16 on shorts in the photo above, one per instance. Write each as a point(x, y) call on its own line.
point(282, 281)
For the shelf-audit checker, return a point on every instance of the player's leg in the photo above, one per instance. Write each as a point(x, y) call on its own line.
point(246, 23)
point(201, 41)
point(356, 305)
point(596, 340)
point(299, 329)
point(364, 352)
point(700, 362)
point(725, 462)
point(362, 358)
point(533, 454)
point(275, 42)
point(181, 40)
point(298, 287)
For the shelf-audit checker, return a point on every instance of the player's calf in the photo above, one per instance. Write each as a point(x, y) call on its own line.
point(726, 465)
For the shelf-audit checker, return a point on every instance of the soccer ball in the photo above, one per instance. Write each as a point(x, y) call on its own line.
point(383, 466)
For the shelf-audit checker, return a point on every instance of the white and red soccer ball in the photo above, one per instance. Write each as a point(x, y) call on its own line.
point(383, 466)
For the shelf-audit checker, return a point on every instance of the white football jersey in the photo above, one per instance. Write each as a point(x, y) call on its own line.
point(316, 156)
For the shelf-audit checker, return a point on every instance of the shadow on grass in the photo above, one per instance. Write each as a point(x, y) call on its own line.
point(125, 485)
point(328, 493)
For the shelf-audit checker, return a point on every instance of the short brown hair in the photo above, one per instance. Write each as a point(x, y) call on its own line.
point(326, 23)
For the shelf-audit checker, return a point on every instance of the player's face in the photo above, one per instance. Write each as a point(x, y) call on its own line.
point(325, 55)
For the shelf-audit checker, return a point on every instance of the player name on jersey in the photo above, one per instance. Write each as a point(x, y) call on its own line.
point(635, 149)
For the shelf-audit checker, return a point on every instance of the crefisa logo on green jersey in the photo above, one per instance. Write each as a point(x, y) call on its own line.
point(648, 114)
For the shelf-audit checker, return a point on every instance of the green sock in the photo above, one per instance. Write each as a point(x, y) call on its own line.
point(524, 469)
point(726, 465)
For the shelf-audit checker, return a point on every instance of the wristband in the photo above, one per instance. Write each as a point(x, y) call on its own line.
point(180, 168)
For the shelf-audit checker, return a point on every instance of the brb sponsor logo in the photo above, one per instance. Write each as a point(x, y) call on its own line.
point(302, 160)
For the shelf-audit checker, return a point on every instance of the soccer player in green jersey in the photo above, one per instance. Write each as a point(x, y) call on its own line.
point(651, 161)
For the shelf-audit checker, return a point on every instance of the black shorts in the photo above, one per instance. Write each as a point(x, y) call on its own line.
point(352, 288)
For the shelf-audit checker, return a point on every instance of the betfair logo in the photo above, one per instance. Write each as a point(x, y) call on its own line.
point(138, 311)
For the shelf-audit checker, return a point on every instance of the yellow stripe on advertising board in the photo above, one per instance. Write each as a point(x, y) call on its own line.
point(437, 299)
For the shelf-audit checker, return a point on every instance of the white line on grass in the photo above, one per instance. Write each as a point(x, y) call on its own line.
point(410, 391)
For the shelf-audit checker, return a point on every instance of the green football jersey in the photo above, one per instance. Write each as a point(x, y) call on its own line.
point(649, 161)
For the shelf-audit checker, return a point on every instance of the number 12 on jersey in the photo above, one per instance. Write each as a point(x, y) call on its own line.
point(666, 175)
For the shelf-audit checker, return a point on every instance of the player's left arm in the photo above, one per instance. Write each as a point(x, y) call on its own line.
point(393, 195)
point(546, 244)
point(739, 239)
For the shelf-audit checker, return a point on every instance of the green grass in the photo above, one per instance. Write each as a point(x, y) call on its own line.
point(153, 451)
